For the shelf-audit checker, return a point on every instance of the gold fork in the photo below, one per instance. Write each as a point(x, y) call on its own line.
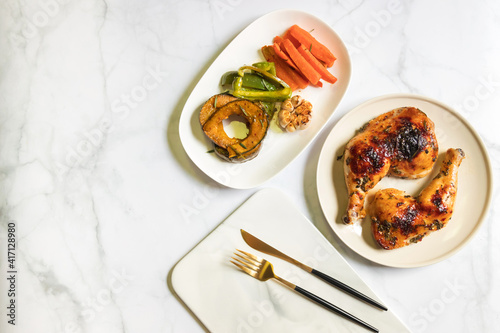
point(262, 270)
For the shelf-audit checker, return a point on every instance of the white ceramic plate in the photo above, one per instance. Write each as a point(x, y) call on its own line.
point(226, 299)
point(279, 149)
point(474, 183)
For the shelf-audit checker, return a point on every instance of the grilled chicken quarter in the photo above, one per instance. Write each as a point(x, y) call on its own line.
point(399, 143)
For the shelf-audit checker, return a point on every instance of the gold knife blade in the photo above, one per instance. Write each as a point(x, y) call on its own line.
point(261, 246)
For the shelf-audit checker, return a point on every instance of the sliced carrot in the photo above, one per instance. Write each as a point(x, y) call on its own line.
point(293, 71)
point(283, 55)
point(319, 84)
point(281, 51)
point(271, 56)
point(319, 50)
point(317, 65)
point(302, 82)
point(283, 71)
point(304, 67)
point(278, 39)
point(300, 79)
point(292, 39)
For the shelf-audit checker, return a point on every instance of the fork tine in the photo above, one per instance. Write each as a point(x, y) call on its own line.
point(255, 258)
point(237, 264)
point(263, 271)
point(246, 264)
point(243, 268)
point(248, 260)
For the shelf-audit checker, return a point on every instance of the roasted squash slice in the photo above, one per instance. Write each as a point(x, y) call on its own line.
point(257, 124)
point(214, 102)
point(224, 154)
point(207, 110)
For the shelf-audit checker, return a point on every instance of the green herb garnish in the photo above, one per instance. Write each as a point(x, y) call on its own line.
point(267, 85)
point(243, 110)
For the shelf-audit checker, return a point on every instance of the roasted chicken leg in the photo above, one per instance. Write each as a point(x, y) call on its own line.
point(400, 143)
point(399, 219)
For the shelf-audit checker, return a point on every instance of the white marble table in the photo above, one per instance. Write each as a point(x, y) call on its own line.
point(105, 201)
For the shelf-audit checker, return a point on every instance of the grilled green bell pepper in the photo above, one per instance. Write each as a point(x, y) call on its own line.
point(250, 81)
point(281, 93)
point(267, 66)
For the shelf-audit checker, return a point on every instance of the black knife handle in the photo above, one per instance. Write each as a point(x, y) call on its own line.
point(348, 289)
point(334, 308)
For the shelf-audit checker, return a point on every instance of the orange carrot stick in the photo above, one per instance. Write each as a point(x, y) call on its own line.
point(317, 65)
point(283, 71)
point(319, 84)
point(271, 56)
point(304, 67)
point(317, 49)
point(283, 55)
point(292, 39)
point(277, 39)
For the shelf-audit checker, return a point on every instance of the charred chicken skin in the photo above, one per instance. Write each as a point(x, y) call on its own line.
point(400, 143)
point(399, 219)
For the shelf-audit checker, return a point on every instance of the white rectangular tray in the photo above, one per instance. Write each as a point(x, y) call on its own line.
point(227, 300)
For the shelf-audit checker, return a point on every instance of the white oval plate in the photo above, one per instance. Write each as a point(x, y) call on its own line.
point(279, 149)
point(474, 183)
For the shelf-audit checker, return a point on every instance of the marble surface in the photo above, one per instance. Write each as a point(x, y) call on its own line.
point(105, 201)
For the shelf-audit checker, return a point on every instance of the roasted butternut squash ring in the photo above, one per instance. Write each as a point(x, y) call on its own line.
point(224, 154)
point(257, 125)
point(213, 103)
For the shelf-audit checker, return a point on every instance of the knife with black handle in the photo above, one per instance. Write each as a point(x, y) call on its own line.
point(261, 246)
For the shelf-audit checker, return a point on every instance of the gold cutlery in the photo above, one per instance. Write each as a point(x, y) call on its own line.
point(261, 246)
point(262, 270)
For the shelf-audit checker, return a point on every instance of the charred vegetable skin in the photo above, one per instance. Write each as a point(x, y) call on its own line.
point(213, 104)
point(224, 154)
point(249, 81)
point(257, 123)
point(252, 79)
point(250, 93)
point(233, 149)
